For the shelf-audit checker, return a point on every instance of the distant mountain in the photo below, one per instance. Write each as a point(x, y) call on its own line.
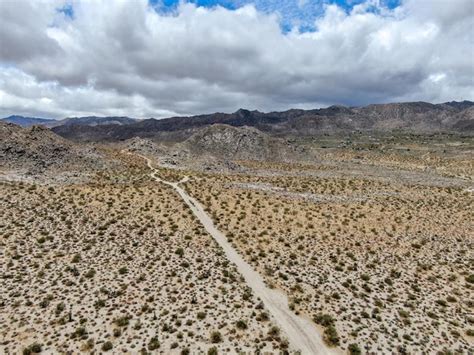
point(27, 121)
point(416, 117)
point(79, 121)
point(461, 105)
point(95, 121)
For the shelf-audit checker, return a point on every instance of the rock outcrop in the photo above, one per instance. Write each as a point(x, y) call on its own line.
point(37, 149)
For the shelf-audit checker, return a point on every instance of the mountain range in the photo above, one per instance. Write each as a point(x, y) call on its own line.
point(216, 140)
point(28, 121)
point(415, 117)
point(69, 121)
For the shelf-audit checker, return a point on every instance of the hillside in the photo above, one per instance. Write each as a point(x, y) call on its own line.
point(237, 143)
point(416, 117)
point(36, 149)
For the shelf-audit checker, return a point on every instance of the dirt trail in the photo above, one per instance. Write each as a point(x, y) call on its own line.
point(301, 333)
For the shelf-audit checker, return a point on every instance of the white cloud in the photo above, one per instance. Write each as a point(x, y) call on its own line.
point(124, 58)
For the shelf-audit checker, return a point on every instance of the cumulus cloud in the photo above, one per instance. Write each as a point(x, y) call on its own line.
point(126, 58)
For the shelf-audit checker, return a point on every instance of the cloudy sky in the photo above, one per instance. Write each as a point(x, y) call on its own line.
point(160, 58)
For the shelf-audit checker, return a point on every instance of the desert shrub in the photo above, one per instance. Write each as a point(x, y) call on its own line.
point(153, 344)
point(241, 324)
point(262, 317)
point(59, 308)
point(33, 348)
point(274, 332)
point(90, 274)
point(99, 304)
point(89, 345)
point(324, 319)
point(455, 333)
point(216, 337)
point(107, 346)
point(330, 336)
point(451, 299)
point(122, 321)
point(44, 303)
point(201, 315)
point(403, 313)
point(354, 349)
point(80, 333)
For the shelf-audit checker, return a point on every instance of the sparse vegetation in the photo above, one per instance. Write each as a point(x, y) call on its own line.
point(377, 256)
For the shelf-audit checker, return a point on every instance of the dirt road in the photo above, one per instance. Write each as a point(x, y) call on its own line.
point(301, 333)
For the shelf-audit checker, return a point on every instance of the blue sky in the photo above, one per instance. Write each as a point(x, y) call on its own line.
point(299, 13)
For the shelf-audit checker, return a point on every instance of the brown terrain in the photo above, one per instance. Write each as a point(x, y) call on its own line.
point(231, 238)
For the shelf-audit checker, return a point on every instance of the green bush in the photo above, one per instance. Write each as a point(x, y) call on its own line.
point(324, 319)
point(241, 324)
point(90, 274)
point(216, 337)
point(354, 349)
point(107, 346)
point(153, 344)
point(330, 336)
point(122, 321)
point(33, 348)
point(201, 315)
point(80, 333)
point(274, 332)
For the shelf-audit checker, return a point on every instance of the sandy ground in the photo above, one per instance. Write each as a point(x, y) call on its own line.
point(302, 333)
point(126, 264)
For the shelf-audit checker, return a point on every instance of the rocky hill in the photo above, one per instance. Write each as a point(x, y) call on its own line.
point(219, 147)
point(35, 150)
point(416, 117)
point(225, 142)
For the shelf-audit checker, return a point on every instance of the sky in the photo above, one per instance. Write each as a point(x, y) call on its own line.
point(162, 58)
